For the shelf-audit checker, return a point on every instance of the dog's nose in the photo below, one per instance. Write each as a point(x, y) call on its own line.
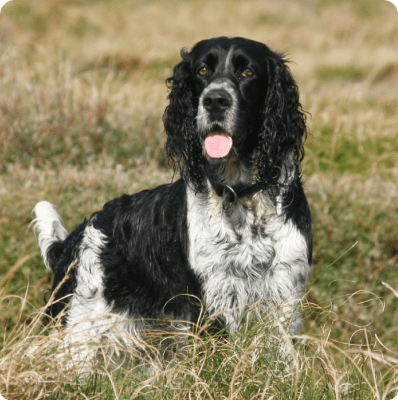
point(217, 101)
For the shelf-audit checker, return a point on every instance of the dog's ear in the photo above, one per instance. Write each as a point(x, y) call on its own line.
point(182, 146)
point(284, 124)
point(178, 117)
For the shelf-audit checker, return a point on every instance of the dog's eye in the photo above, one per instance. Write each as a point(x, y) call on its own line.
point(203, 71)
point(247, 73)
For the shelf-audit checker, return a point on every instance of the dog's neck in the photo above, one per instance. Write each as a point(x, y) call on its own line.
point(235, 180)
point(233, 193)
point(236, 172)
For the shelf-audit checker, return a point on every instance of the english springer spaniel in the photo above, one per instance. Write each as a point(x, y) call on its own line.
point(234, 230)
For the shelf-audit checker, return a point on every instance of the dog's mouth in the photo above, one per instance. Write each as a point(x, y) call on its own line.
point(218, 144)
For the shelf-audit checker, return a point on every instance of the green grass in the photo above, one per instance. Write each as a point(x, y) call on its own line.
point(343, 74)
point(82, 95)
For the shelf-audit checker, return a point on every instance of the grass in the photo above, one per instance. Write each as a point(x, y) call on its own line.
point(204, 367)
point(81, 99)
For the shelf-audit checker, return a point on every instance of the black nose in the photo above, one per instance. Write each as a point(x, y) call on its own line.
point(217, 101)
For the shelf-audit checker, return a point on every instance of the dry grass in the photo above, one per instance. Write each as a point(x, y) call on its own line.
point(35, 365)
point(81, 99)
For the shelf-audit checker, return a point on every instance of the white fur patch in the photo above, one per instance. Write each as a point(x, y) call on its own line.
point(49, 225)
point(228, 59)
point(238, 268)
point(85, 315)
point(89, 318)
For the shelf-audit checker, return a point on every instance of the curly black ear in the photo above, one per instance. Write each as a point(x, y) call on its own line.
point(179, 114)
point(182, 146)
point(284, 127)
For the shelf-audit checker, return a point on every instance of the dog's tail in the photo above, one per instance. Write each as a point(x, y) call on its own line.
point(49, 225)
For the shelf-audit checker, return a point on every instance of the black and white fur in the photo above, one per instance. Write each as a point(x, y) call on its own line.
point(231, 232)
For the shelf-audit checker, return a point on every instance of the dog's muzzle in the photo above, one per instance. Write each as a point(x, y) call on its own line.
point(216, 118)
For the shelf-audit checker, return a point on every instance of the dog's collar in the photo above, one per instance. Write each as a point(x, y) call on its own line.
point(233, 193)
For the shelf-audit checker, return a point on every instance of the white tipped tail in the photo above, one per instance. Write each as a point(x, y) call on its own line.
point(49, 226)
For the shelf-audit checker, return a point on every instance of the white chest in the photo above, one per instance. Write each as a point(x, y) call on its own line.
point(231, 252)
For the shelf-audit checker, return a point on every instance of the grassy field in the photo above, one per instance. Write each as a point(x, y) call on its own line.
point(82, 94)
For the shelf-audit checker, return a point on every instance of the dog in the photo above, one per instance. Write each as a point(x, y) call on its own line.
point(233, 230)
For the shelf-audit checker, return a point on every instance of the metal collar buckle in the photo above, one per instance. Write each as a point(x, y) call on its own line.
point(227, 194)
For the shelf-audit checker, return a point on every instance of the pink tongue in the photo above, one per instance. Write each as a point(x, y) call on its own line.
point(218, 146)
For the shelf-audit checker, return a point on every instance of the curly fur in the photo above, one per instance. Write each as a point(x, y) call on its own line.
point(182, 145)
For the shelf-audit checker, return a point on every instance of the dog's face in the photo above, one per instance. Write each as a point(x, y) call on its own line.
point(229, 88)
point(234, 114)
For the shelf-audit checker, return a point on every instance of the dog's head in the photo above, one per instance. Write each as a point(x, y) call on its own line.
point(234, 114)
